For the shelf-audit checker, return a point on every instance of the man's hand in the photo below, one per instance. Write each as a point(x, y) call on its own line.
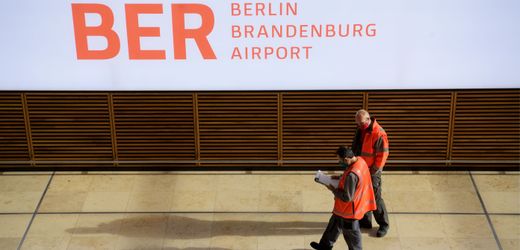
point(331, 188)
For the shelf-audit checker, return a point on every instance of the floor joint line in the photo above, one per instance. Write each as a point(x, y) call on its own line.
point(486, 212)
point(35, 213)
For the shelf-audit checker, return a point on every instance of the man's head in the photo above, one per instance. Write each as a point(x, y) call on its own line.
point(346, 155)
point(362, 119)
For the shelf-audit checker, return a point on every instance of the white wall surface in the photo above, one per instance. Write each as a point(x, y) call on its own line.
point(426, 44)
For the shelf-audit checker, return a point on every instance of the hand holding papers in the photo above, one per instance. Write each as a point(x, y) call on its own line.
point(326, 180)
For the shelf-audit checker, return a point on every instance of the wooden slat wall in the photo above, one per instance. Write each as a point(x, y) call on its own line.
point(154, 126)
point(12, 129)
point(70, 127)
point(95, 130)
point(238, 126)
point(487, 127)
point(315, 123)
point(417, 124)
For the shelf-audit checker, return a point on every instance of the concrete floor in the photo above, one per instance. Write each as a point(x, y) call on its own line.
point(238, 210)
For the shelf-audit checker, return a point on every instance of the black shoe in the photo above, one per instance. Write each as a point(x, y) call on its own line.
point(318, 247)
point(381, 232)
point(315, 245)
point(367, 225)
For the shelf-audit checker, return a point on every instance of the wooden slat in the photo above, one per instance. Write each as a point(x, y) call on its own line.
point(238, 125)
point(113, 128)
point(365, 100)
point(280, 128)
point(28, 130)
point(453, 107)
point(196, 128)
point(70, 127)
point(154, 126)
point(487, 126)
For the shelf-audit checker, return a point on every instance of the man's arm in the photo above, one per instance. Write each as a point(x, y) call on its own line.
point(382, 151)
point(349, 188)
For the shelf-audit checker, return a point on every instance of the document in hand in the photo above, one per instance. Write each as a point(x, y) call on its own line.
point(324, 179)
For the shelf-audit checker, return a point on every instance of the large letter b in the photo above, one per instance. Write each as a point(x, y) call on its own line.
point(81, 31)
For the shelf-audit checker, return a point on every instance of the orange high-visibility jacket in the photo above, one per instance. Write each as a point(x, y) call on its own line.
point(363, 200)
point(374, 148)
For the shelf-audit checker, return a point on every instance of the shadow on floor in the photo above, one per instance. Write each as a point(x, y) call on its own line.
point(180, 227)
point(192, 248)
point(188, 248)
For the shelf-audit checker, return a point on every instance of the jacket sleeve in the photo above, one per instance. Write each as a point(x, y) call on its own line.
point(381, 150)
point(346, 193)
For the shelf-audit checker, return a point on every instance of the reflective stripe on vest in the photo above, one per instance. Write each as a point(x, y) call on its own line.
point(383, 150)
point(367, 203)
point(367, 154)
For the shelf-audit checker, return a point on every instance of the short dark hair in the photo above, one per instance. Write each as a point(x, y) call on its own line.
point(344, 152)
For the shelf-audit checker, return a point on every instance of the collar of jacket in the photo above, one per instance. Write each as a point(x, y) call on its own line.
point(372, 122)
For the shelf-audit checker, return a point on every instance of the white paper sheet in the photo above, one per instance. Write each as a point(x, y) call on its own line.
point(324, 179)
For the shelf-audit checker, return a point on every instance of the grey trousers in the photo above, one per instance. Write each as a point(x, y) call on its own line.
point(380, 213)
point(337, 225)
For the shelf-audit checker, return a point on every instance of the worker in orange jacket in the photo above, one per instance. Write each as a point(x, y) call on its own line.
point(353, 198)
point(371, 144)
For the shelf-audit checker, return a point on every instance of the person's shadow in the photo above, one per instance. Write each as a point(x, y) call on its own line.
point(181, 227)
point(187, 227)
point(188, 248)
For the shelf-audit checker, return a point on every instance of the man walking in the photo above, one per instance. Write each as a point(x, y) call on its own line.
point(352, 199)
point(371, 144)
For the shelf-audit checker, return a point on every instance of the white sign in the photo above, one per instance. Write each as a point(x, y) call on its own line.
point(259, 45)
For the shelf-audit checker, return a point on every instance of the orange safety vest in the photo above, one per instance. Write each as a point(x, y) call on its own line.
point(375, 147)
point(363, 200)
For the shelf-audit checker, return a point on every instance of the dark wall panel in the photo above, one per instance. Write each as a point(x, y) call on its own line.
point(487, 127)
point(154, 127)
point(238, 126)
point(417, 124)
point(70, 127)
point(13, 139)
point(445, 129)
point(315, 123)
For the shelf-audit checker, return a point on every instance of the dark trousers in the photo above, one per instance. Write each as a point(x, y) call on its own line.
point(349, 228)
point(380, 213)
